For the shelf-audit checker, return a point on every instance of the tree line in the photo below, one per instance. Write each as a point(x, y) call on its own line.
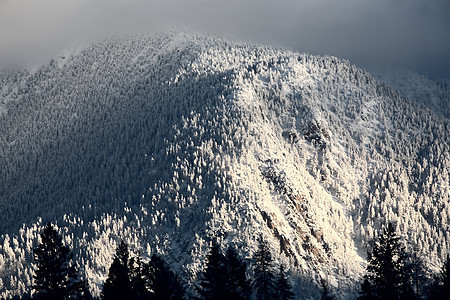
point(394, 273)
point(391, 273)
point(225, 275)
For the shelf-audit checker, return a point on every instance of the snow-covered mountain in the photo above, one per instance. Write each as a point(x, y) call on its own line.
point(430, 93)
point(170, 140)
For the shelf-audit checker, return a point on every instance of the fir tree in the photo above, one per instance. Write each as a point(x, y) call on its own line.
point(56, 275)
point(130, 278)
point(264, 277)
point(445, 276)
point(441, 286)
point(366, 290)
point(283, 286)
point(140, 283)
point(213, 284)
point(237, 283)
point(387, 271)
point(419, 275)
point(118, 284)
point(164, 283)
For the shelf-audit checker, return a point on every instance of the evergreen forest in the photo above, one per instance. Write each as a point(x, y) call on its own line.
point(177, 164)
point(391, 273)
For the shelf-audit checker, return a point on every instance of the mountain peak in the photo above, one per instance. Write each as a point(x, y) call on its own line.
point(171, 140)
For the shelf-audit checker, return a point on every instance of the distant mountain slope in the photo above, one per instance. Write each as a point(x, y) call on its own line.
point(430, 93)
point(170, 140)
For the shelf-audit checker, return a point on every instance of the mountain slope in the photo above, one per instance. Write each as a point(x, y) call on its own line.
point(173, 139)
point(429, 93)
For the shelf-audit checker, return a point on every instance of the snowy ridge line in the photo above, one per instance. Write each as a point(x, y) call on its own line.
point(171, 140)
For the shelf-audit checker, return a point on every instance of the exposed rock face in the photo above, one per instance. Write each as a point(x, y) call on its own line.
point(171, 140)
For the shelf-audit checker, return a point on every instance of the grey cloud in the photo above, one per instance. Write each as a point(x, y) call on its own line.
point(412, 34)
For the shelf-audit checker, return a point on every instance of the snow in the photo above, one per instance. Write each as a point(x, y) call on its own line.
point(170, 140)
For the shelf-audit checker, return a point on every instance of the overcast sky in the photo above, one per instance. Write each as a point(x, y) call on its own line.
point(413, 34)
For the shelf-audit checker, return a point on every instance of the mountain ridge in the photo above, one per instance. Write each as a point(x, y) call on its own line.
point(172, 139)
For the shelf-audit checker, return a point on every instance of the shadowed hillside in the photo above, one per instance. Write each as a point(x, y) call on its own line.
point(173, 139)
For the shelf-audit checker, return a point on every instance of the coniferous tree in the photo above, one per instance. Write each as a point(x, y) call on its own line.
point(238, 285)
point(140, 283)
point(388, 269)
point(283, 286)
point(118, 284)
point(264, 277)
point(56, 275)
point(419, 275)
point(445, 277)
point(164, 283)
point(213, 284)
point(130, 278)
point(440, 288)
point(366, 290)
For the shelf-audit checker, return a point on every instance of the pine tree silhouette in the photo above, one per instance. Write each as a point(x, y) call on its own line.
point(445, 275)
point(118, 284)
point(419, 275)
point(367, 290)
point(283, 286)
point(237, 283)
point(131, 279)
point(140, 283)
point(213, 284)
point(264, 277)
point(388, 270)
point(441, 286)
point(56, 275)
point(164, 283)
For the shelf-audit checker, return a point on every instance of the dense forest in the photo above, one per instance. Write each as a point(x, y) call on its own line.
point(173, 141)
point(392, 273)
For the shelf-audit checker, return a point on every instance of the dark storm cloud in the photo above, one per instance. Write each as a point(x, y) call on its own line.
point(412, 34)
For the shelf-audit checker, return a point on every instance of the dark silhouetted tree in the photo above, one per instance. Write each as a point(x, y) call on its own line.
point(118, 284)
point(367, 290)
point(388, 274)
point(264, 277)
point(140, 283)
point(130, 278)
point(419, 275)
point(224, 276)
point(237, 283)
point(213, 284)
point(445, 276)
point(441, 286)
point(164, 284)
point(283, 287)
point(56, 276)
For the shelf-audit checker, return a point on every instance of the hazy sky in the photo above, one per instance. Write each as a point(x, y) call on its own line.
point(413, 34)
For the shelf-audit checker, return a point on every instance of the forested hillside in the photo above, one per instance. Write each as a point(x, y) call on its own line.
point(169, 141)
